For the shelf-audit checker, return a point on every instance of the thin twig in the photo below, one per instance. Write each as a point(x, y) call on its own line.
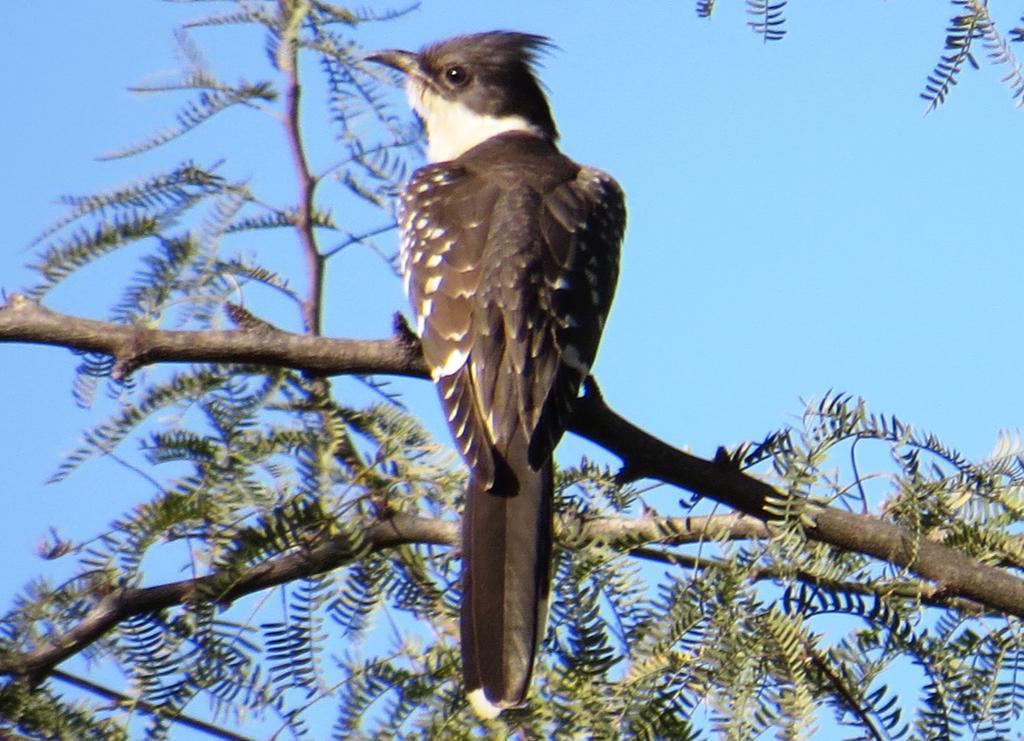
point(135, 703)
point(303, 216)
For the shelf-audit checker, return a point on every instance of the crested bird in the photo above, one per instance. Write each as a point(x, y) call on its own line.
point(509, 255)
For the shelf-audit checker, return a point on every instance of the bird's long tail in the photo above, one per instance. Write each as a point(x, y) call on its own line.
point(506, 581)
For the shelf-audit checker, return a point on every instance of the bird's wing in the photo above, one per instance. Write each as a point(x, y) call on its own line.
point(510, 279)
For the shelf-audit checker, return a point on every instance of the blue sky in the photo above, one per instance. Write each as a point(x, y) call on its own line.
point(796, 223)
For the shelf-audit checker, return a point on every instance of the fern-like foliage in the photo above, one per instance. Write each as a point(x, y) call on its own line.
point(240, 469)
point(243, 465)
point(971, 23)
point(961, 33)
point(999, 53)
point(767, 19)
point(162, 193)
point(213, 97)
point(44, 713)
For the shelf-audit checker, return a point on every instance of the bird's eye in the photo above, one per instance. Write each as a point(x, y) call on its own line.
point(456, 75)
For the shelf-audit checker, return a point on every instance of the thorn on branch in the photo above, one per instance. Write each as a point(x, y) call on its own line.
point(404, 333)
point(15, 302)
point(725, 461)
point(124, 366)
point(591, 390)
point(128, 357)
point(627, 474)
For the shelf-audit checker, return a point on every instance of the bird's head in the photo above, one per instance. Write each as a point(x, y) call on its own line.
point(469, 88)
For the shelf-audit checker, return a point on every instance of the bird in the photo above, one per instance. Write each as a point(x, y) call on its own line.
point(509, 254)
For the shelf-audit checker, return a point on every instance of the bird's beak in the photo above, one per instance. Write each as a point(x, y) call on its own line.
point(404, 61)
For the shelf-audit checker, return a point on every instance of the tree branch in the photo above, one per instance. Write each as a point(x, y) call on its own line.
point(909, 590)
point(135, 703)
point(666, 531)
point(302, 218)
point(117, 605)
point(23, 320)
point(643, 455)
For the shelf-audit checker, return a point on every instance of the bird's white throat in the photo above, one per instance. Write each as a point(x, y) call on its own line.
point(453, 128)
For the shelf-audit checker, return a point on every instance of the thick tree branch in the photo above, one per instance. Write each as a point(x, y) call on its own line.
point(644, 456)
point(22, 320)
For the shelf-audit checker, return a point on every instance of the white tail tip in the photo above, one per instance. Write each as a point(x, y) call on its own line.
point(483, 707)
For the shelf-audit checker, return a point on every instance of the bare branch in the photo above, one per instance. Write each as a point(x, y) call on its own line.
point(312, 304)
point(23, 320)
point(672, 531)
